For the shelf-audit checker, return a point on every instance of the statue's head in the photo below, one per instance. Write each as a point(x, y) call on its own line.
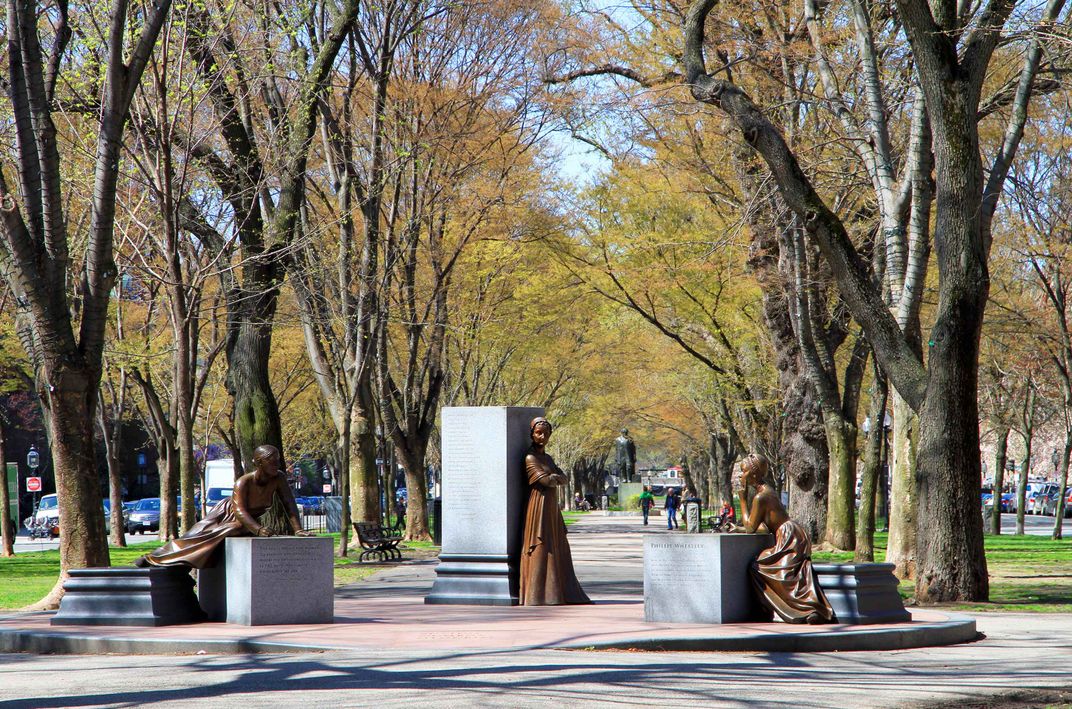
point(755, 468)
point(625, 431)
point(266, 458)
point(540, 430)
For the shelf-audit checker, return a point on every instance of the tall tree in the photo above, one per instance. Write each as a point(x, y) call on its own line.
point(260, 172)
point(952, 51)
point(35, 248)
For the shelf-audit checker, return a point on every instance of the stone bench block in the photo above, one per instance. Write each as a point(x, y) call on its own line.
point(862, 594)
point(271, 581)
point(701, 578)
point(128, 596)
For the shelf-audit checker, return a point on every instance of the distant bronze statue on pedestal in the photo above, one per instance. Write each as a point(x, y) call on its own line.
point(625, 456)
point(547, 576)
point(262, 505)
point(783, 574)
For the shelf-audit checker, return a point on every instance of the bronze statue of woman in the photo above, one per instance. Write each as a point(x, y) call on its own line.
point(782, 575)
point(547, 576)
point(262, 505)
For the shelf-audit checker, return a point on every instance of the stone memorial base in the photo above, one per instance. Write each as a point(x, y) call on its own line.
point(474, 580)
point(701, 578)
point(862, 594)
point(270, 581)
point(128, 596)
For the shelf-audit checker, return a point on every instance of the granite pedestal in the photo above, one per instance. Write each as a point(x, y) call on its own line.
point(701, 578)
point(270, 581)
point(484, 497)
point(128, 596)
point(862, 594)
point(692, 518)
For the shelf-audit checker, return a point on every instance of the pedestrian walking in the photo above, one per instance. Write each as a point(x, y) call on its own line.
point(646, 502)
point(673, 501)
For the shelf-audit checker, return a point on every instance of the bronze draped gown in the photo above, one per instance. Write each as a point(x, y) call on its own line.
point(547, 576)
point(197, 547)
point(785, 580)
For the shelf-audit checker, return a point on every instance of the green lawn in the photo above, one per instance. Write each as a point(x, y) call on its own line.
point(27, 577)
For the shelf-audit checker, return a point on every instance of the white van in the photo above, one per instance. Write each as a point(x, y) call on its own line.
point(219, 481)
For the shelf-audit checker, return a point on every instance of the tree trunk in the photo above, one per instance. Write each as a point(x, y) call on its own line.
point(840, 516)
point(7, 548)
point(256, 410)
point(723, 457)
point(364, 496)
point(112, 436)
point(1025, 464)
point(950, 559)
point(903, 508)
point(83, 541)
point(1059, 511)
point(803, 448)
point(417, 493)
point(1002, 446)
point(169, 489)
point(865, 530)
point(345, 451)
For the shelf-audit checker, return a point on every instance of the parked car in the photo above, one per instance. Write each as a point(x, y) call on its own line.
point(216, 494)
point(1030, 499)
point(48, 509)
point(145, 517)
point(1041, 497)
point(1048, 506)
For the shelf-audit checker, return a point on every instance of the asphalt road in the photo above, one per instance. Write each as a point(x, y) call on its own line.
point(1034, 525)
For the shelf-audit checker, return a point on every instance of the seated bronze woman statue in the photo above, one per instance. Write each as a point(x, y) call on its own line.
point(262, 505)
point(782, 575)
point(547, 576)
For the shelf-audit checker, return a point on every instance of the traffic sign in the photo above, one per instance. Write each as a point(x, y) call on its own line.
point(33, 484)
point(33, 458)
point(327, 488)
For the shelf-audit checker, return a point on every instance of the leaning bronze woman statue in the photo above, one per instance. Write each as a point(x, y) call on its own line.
point(782, 575)
point(261, 505)
point(547, 576)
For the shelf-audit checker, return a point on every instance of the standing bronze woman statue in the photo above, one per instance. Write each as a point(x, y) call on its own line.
point(782, 575)
point(547, 576)
point(262, 505)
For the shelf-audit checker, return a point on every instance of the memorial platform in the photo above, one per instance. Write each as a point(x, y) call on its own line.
point(388, 612)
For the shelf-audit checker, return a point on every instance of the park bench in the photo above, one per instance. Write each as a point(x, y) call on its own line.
point(377, 542)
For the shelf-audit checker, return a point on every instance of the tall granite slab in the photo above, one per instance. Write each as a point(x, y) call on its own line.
point(693, 520)
point(128, 596)
point(271, 581)
point(333, 514)
point(701, 578)
point(862, 594)
point(484, 494)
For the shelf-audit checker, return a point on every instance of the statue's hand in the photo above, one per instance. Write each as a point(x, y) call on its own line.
point(304, 533)
point(264, 532)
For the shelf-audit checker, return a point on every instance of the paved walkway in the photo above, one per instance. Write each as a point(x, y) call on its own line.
point(462, 654)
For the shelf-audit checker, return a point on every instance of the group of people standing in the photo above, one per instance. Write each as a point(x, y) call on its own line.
point(671, 504)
